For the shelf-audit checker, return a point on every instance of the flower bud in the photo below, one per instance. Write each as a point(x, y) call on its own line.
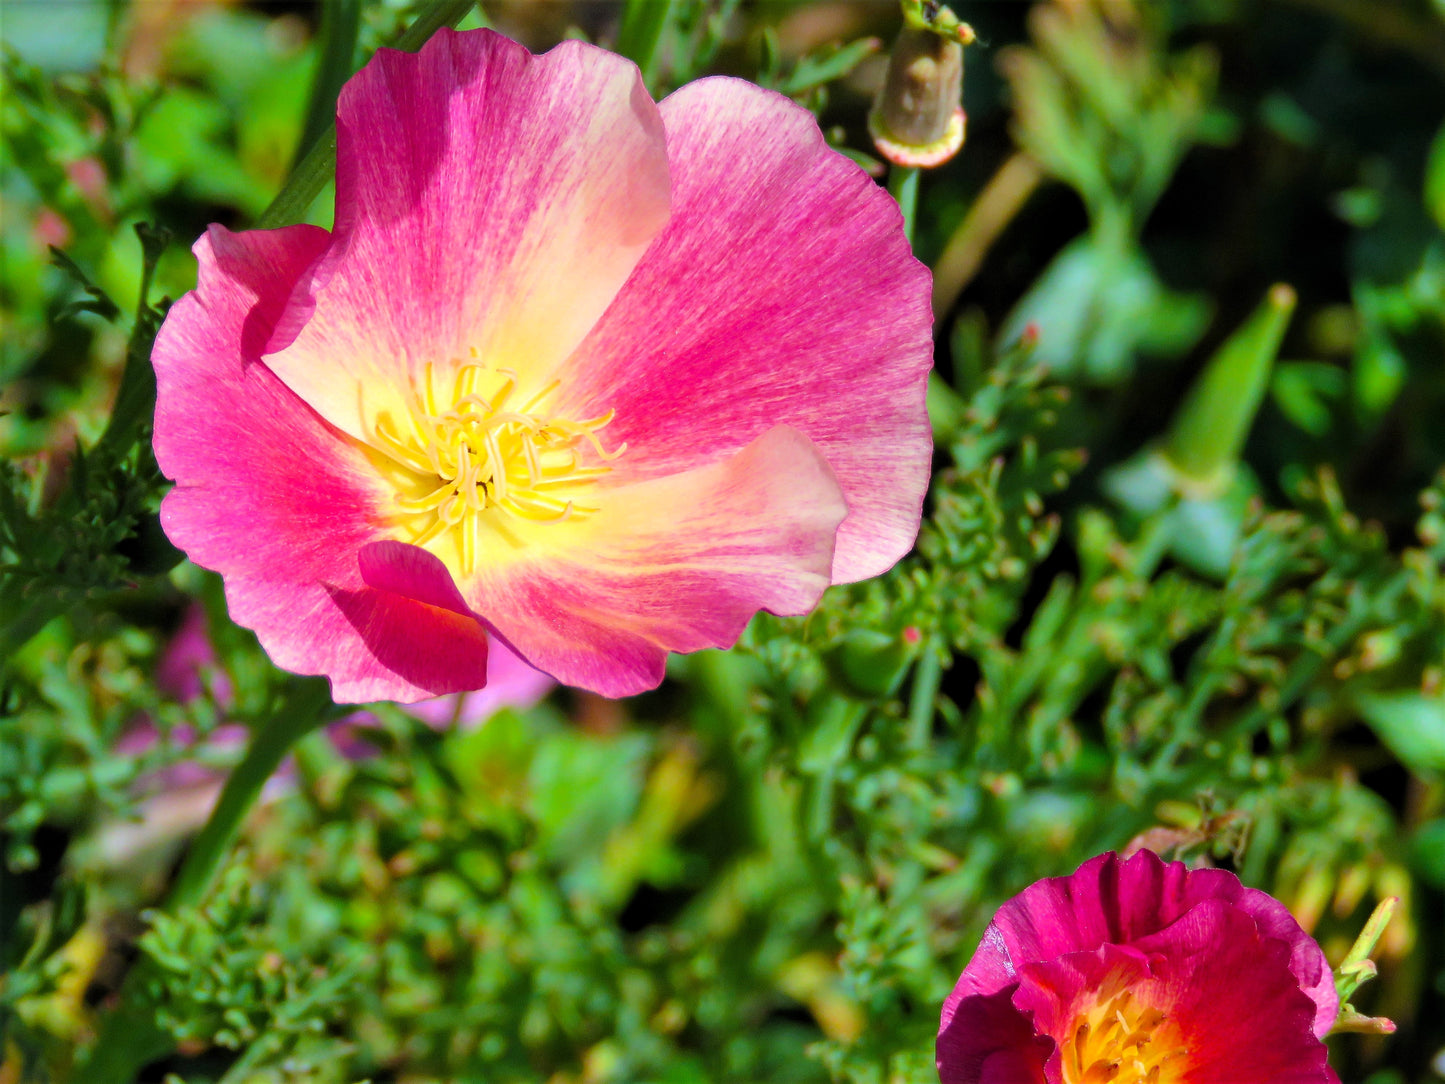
point(916, 119)
point(1209, 431)
point(871, 663)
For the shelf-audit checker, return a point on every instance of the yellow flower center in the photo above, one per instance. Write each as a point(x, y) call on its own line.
point(1118, 1041)
point(458, 460)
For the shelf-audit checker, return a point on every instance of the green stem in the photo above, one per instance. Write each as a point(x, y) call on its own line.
point(643, 22)
point(319, 165)
point(1155, 536)
point(135, 401)
point(302, 187)
point(923, 697)
point(129, 1037)
point(340, 26)
point(302, 709)
point(1357, 968)
point(903, 187)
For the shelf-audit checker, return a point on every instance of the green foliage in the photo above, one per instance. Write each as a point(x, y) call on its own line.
point(222, 983)
point(1131, 692)
point(102, 531)
point(1101, 108)
point(775, 867)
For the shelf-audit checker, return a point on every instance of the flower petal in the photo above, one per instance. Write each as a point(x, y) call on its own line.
point(277, 500)
point(984, 1039)
point(1052, 993)
point(782, 291)
point(674, 564)
point(1117, 901)
point(487, 200)
point(410, 571)
point(1234, 996)
point(510, 683)
point(1231, 1008)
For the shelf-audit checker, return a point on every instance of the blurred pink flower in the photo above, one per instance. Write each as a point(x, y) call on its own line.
point(177, 800)
point(599, 376)
point(188, 667)
point(1137, 972)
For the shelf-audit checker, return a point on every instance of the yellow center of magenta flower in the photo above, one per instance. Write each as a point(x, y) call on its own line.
point(1118, 1041)
point(459, 460)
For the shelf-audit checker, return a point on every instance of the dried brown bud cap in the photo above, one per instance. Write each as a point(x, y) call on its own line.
point(916, 119)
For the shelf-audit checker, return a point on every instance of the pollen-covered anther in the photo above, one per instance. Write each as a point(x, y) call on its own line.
point(1118, 1041)
point(457, 458)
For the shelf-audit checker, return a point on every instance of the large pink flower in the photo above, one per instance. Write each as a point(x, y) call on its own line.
point(601, 375)
point(1137, 972)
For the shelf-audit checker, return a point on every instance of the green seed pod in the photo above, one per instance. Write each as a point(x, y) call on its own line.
point(916, 119)
point(871, 663)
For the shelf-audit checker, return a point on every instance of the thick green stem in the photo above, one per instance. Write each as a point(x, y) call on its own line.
point(129, 1037)
point(643, 22)
point(903, 187)
point(923, 698)
point(1155, 536)
point(302, 187)
point(319, 166)
point(340, 25)
point(301, 711)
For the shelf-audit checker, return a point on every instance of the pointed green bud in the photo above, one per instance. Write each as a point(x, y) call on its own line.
point(916, 119)
point(1209, 431)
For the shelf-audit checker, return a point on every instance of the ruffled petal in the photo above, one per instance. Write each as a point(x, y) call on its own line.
point(1228, 1009)
point(410, 571)
point(1234, 996)
point(490, 204)
point(984, 1039)
point(1053, 993)
point(510, 683)
point(1117, 901)
point(672, 564)
point(782, 291)
point(279, 502)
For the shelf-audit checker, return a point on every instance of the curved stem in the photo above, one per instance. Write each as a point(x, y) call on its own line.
point(643, 22)
point(996, 206)
point(302, 710)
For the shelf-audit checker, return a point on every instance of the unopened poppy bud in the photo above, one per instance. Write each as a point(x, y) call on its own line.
point(916, 119)
point(872, 663)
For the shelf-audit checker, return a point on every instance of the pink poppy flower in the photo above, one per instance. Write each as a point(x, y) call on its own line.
point(599, 375)
point(1139, 972)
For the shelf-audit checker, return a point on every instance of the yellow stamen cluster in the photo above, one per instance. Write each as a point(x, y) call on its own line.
point(1119, 1041)
point(457, 458)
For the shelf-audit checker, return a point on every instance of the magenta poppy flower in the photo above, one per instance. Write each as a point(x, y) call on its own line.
point(599, 375)
point(1135, 971)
